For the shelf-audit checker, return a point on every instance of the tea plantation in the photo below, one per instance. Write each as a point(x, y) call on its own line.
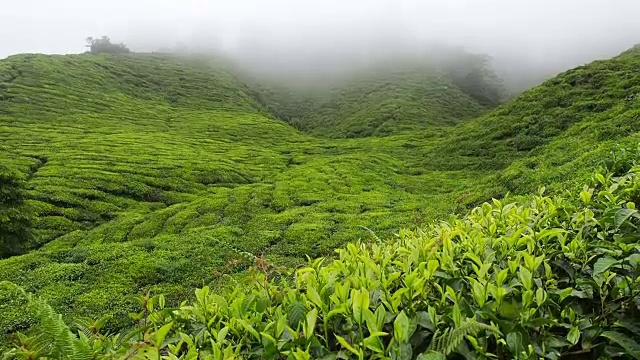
point(154, 174)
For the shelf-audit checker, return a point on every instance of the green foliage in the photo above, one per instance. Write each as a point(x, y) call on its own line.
point(142, 169)
point(53, 339)
point(161, 173)
point(379, 102)
point(15, 217)
point(452, 338)
point(553, 131)
point(437, 87)
point(548, 277)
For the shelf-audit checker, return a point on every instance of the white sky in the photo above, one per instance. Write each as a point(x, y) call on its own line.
point(536, 29)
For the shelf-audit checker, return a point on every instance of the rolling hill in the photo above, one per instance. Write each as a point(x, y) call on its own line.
point(556, 131)
point(378, 102)
point(153, 172)
point(154, 181)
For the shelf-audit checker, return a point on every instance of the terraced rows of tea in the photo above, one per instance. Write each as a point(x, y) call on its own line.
point(152, 173)
point(160, 173)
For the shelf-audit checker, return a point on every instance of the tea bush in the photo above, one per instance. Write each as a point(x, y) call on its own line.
point(547, 277)
point(15, 217)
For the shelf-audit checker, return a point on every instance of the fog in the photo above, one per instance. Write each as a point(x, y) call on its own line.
point(528, 39)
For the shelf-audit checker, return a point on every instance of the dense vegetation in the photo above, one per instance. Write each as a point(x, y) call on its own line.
point(15, 220)
point(387, 95)
point(146, 171)
point(136, 173)
point(379, 102)
point(546, 278)
point(555, 129)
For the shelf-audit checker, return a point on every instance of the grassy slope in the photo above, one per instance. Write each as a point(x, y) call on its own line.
point(602, 106)
point(553, 132)
point(377, 102)
point(145, 170)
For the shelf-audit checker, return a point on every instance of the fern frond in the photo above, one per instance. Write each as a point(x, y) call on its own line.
point(83, 325)
point(450, 339)
point(378, 240)
point(82, 348)
point(11, 286)
point(437, 337)
point(39, 343)
point(53, 331)
point(31, 347)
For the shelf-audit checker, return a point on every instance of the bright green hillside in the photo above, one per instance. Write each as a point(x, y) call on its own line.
point(146, 181)
point(378, 102)
point(556, 128)
point(145, 172)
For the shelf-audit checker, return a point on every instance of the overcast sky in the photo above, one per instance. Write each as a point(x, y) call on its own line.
point(567, 31)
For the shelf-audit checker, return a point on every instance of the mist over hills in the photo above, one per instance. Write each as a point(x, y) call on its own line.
point(529, 41)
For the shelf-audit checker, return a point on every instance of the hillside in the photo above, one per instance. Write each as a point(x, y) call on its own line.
point(553, 132)
point(153, 173)
point(379, 102)
point(137, 187)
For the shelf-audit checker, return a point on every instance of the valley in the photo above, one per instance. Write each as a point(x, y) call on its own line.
point(163, 174)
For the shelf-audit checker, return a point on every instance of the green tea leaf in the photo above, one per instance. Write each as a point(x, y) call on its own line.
point(431, 355)
point(314, 297)
point(514, 342)
point(347, 346)
point(526, 278)
point(249, 328)
point(360, 300)
point(629, 345)
point(162, 334)
point(603, 264)
point(502, 276)
point(296, 313)
point(380, 317)
point(222, 334)
point(268, 338)
point(374, 343)
point(401, 328)
point(311, 318)
point(310, 323)
point(623, 215)
point(425, 321)
point(574, 335)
